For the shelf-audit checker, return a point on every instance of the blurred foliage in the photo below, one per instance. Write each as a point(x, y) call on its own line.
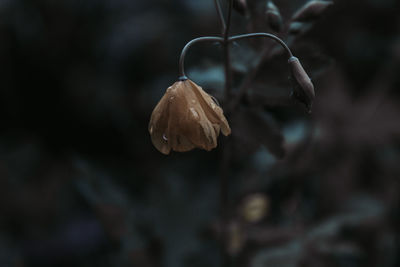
point(82, 185)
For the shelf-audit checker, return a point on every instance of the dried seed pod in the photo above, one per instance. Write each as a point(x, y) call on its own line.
point(240, 6)
point(311, 10)
point(303, 88)
point(185, 118)
point(274, 17)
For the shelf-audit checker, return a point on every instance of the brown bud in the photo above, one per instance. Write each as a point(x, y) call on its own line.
point(240, 6)
point(274, 17)
point(311, 10)
point(303, 88)
point(185, 118)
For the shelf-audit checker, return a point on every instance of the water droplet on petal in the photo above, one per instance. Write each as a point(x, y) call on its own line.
point(151, 129)
point(193, 101)
point(172, 98)
point(194, 113)
point(215, 101)
point(164, 137)
point(212, 105)
point(171, 89)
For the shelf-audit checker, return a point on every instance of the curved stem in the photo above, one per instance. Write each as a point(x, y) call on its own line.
point(220, 15)
point(182, 75)
point(243, 87)
point(262, 34)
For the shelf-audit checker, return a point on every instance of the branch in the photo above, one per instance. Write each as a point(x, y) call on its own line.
point(220, 15)
point(265, 35)
point(182, 75)
point(224, 175)
point(227, 60)
point(245, 84)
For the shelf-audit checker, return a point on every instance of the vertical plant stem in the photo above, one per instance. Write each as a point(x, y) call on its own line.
point(220, 15)
point(227, 60)
point(224, 167)
point(228, 75)
point(224, 201)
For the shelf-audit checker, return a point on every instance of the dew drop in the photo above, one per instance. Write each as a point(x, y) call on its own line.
point(215, 101)
point(164, 137)
point(194, 113)
point(151, 129)
point(193, 101)
point(171, 89)
point(212, 105)
point(172, 98)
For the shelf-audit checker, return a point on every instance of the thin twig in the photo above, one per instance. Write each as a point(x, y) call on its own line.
point(227, 60)
point(263, 35)
point(224, 200)
point(226, 153)
point(247, 80)
point(220, 15)
point(265, 54)
point(228, 21)
point(182, 75)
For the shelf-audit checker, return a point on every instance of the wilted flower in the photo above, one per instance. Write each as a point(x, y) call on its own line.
point(303, 88)
point(185, 118)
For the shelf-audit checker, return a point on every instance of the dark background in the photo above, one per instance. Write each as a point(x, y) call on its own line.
point(82, 185)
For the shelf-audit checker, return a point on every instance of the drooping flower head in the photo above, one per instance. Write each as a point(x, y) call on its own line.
point(186, 118)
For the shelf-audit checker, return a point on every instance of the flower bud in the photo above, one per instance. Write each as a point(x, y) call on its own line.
point(240, 6)
point(186, 117)
point(303, 88)
point(274, 17)
point(311, 10)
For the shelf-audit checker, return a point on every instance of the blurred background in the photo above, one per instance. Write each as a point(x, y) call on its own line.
point(82, 185)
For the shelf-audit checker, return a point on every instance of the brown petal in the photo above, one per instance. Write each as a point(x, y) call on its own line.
point(183, 120)
point(200, 129)
point(214, 112)
point(158, 125)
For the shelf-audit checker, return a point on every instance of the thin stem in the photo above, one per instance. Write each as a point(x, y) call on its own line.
point(182, 75)
point(250, 76)
point(262, 34)
point(220, 15)
point(228, 21)
point(227, 60)
point(228, 73)
point(247, 80)
point(224, 175)
point(224, 197)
